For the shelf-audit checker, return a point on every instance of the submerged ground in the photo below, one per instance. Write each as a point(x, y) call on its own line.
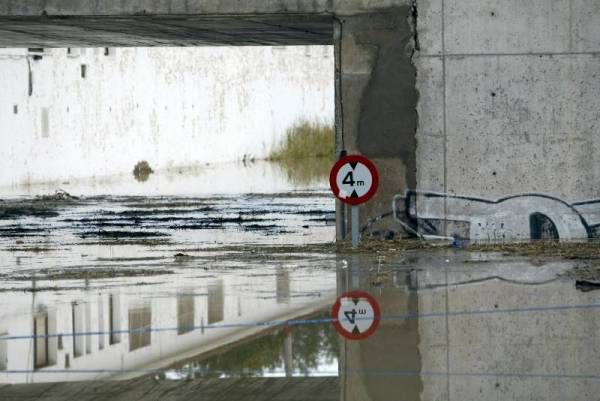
point(187, 287)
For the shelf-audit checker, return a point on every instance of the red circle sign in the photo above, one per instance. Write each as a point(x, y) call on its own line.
point(354, 179)
point(356, 315)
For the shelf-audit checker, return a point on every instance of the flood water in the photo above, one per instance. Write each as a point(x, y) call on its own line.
point(184, 287)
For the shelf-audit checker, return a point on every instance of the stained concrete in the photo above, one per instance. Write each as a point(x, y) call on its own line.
point(380, 120)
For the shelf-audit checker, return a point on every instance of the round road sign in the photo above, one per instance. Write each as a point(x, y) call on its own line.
point(354, 179)
point(356, 315)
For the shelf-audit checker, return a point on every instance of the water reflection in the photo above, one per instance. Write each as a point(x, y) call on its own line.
point(125, 333)
point(291, 351)
point(394, 348)
point(480, 328)
point(455, 326)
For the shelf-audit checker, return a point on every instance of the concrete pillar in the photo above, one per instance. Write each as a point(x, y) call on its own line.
point(376, 112)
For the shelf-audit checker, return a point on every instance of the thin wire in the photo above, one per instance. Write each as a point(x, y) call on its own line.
point(349, 372)
point(300, 322)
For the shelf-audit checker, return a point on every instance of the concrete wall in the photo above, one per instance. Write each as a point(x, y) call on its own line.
point(508, 106)
point(169, 106)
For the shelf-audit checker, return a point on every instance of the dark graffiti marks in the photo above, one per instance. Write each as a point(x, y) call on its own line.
point(517, 217)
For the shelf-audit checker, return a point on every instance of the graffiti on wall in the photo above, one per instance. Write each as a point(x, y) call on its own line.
point(525, 217)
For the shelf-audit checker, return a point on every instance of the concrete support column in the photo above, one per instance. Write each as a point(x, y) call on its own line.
point(376, 107)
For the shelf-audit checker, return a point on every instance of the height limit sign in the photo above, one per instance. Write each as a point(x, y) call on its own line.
point(356, 315)
point(354, 180)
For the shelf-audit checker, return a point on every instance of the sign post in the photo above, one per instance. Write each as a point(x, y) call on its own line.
point(355, 228)
point(354, 180)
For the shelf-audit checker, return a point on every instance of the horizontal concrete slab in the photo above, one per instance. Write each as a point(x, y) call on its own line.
point(165, 31)
point(222, 7)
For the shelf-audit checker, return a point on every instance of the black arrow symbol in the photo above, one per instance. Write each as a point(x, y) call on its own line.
point(353, 165)
point(356, 330)
point(354, 194)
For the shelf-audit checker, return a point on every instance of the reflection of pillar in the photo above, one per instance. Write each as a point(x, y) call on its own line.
point(282, 286)
point(114, 319)
point(77, 324)
point(140, 325)
point(288, 355)
point(216, 301)
point(101, 336)
point(386, 365)
point(3, 352)
point(45, 344)
point(185, 312)
point(88, 327)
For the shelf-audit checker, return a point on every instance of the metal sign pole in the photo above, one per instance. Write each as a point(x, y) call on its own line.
point(355, 233)
point(353, 180)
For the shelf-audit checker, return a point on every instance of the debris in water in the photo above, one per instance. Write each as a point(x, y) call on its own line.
point(142, 171)
point(59, 195)
point(182, 257)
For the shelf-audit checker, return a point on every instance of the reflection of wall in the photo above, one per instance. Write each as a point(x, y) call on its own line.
point(188, 314)
point(536, 354)
point(479, 350)
point(393, 348)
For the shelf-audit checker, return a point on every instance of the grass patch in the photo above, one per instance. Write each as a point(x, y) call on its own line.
point(307, 152)
point(305, 140)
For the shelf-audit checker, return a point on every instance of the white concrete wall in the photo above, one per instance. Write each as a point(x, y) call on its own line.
point(169, 106)
point(509, 105)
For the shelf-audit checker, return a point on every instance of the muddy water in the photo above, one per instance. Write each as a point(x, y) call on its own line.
point(227, 296)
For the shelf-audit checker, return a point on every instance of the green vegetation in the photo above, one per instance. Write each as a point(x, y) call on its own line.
point(307, 152)
point(306, 139)
point(264, 353)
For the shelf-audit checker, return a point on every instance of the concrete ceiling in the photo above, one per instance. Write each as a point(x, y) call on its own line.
point(171, 30)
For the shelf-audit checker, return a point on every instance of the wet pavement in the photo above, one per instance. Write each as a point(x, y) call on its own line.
point(228, 296)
